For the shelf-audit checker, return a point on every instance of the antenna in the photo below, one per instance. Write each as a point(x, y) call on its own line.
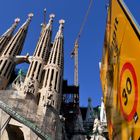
point(45, 11)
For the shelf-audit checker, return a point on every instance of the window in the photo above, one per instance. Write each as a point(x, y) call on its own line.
point(34, 68)
point(38, 72)
point(51, 78)
point(10, 70)
point(47, 72)
point(3, 65)
point(30, 69)
point(8, 66)
point(56, 80)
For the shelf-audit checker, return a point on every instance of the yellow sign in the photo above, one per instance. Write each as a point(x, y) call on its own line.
point(120, 73)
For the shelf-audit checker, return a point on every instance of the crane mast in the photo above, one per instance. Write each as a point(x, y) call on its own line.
point(75, 55)
point(75, 52)
point(76, 46)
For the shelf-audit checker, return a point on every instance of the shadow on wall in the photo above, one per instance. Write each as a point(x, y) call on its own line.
point(14, 132)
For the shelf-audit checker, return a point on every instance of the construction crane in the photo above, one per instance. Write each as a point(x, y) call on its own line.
point(74, 53)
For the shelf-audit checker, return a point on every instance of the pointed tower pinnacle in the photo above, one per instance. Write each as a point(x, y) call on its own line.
point(40, 56)
point(60, 31)
point(27, 22)
point(13, 48)
point(89, 114)
point(5, 38)
point(52, 16)
point(12, 28)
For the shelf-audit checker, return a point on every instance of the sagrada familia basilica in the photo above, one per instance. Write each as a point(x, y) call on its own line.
point(33, 106)
point(42, 85)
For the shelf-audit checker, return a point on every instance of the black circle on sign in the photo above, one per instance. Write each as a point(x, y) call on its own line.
point(128, 85)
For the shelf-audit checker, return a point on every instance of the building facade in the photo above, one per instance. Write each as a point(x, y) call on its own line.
point(30, 105)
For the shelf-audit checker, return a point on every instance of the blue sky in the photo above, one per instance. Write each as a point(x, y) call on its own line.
point(91, 41)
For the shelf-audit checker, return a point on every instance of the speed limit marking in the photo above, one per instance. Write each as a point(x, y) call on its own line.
point(128, 91)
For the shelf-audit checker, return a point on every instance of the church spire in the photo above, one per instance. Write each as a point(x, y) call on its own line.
point(45, 39)
point(39, 59)
point(27, 22)
point(51, 89)
point(57, 49)
point(10, 31)
point(60, 31)
point(15, 45)
point(12, 49)
point(49, 25)
point(5, 38)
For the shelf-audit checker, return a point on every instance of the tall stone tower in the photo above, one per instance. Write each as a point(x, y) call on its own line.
point(13, 48)
point(51, 89)
point(5, 38)
point(39, 59)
